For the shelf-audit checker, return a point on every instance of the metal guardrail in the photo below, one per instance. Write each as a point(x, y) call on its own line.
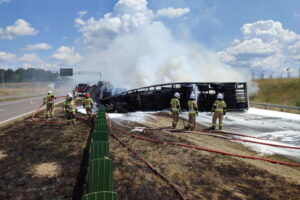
point(275, 106)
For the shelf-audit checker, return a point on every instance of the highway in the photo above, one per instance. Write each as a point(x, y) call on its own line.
point(11, 110)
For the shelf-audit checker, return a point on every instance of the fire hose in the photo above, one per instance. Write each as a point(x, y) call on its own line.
point(202, 148)
point(228, 133)
point(175, 186)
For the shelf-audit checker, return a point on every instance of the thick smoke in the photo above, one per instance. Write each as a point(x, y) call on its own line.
point(132, 48)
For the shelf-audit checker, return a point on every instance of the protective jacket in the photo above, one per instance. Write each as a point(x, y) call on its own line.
point(175, 104)
point(49, 99)
point(88, 102)
point(69, 105)
point(219, 106)
point(193, 108)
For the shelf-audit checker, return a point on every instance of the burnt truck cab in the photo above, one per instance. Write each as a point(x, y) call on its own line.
point(81, 89)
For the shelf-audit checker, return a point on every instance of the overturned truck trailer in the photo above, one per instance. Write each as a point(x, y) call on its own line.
point(157, 97)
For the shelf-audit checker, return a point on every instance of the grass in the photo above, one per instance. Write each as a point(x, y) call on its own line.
point(278, 91)
point(27, 88)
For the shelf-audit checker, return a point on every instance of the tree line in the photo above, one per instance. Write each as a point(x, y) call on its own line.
point(27, 75)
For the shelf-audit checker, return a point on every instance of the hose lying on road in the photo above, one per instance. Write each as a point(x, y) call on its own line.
point(202, 148)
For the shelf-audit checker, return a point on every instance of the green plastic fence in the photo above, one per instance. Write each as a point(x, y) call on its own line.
point(100, 175)
point(101, 195)
point(100, 136)
point(99, 149)
point(100, 170)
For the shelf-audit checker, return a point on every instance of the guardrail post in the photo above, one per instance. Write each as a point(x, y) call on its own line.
point(100, 166)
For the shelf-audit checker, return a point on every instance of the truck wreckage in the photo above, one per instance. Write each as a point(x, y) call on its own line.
point(157, 97)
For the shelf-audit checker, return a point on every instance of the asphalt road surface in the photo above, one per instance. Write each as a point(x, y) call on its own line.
point(11, 110)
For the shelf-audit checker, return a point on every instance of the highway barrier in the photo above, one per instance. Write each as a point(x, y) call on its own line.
point(100, 169)
point(265, 105)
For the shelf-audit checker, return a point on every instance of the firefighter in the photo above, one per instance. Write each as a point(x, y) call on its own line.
point(193, 111)
point(219, 109)
point(175, 108)
point(49, 101)
point(88, 104)
point(70, 108)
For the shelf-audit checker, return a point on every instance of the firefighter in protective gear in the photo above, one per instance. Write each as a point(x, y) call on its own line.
point(175, 108)
point(88, 104)
point(193, 110)
point(49, 101)
point(219, 109)
point(70, 108)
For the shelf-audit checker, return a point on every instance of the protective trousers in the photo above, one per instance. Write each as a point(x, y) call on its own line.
point(217, 115)
point(70, 116)
point(88, 110)
point(192, 121)
point(49, 110)
point(175, 115)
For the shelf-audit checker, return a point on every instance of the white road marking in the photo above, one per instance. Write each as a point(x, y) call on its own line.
point(1, 110)
point(2, 122)
point(22, 115)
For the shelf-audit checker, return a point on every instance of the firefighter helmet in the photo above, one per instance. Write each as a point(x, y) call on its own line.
point(219, 96)
point(193, 96)
point(177, 95)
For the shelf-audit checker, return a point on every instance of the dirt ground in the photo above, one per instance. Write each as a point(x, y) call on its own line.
point(201, 175)
point(41, 161)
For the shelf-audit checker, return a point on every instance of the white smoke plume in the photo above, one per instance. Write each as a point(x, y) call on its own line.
point(132, 48)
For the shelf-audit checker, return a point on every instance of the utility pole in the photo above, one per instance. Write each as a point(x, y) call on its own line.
point(3, 78)
point(253, 75)
point(271, 75)
point(262, 74)
point(288, 72)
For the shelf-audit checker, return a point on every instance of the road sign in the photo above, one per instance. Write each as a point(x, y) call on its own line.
point(66, 72)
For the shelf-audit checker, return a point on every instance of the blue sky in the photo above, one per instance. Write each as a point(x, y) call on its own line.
point(270, 41)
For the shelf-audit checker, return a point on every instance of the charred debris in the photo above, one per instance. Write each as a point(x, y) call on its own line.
point(157, 97)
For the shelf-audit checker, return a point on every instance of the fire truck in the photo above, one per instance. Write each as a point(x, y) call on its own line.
point(81, 89)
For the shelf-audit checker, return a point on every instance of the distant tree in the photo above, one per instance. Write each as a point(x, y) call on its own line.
point(26, 75)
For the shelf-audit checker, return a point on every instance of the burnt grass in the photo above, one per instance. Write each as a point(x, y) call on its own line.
point(202, 175)
point(41, 161)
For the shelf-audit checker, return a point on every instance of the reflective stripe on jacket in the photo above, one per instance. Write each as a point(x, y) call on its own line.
point(175, 104)
point(50, 98)
point(219, 105)
point(192, 106)
point(70, 105)
point(88, 102)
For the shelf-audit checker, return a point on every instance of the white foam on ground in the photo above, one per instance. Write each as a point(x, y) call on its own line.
point(81, 109)
point(276, 127)
point(140, 117)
